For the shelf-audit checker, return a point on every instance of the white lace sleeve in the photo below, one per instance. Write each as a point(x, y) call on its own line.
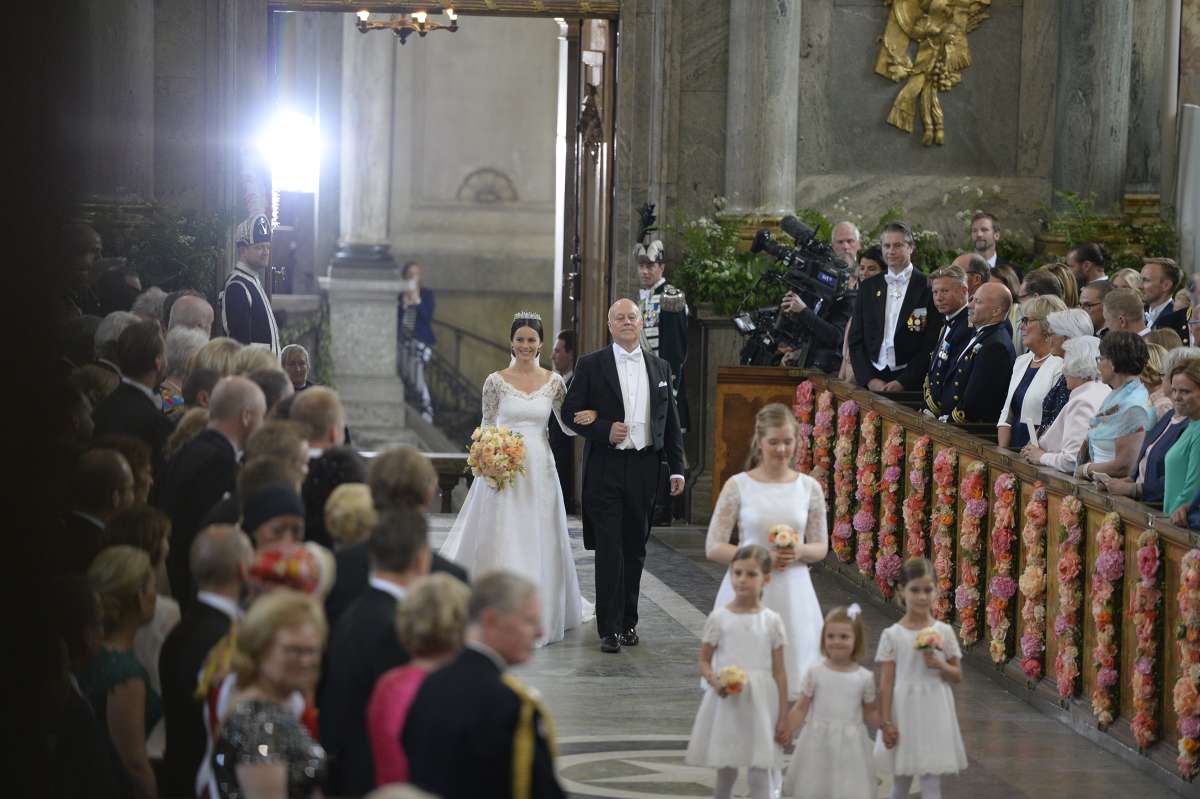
point(725, 516)
point(558, 392)
point(816, 529)
point(491, 399)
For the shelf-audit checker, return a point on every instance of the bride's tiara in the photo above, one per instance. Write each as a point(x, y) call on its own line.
point(527, 315)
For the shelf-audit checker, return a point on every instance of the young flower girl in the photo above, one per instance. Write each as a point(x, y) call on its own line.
point(742, 718)
point(920, 657)
point(833, 754)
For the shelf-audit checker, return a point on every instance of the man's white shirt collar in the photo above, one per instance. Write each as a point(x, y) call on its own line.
point(96, 520)
point(646, 293)
point(221, 603)
point(619, 351)
point(904, 275)
point(397, 591)
point(956, 313)
point(489, 653)
point(992, 261)
point(150, 393)
point(1152, 314)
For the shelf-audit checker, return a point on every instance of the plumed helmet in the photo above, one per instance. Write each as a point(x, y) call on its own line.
point(652, 252)
point(254, 230)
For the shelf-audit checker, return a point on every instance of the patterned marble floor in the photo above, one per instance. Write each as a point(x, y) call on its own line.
point(623, 719)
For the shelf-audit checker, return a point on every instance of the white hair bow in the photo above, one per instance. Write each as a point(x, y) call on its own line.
point(853, 611)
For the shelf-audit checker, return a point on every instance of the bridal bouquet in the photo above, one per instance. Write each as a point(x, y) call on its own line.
point(497, 455)
point(929, 638)
point(732, 679)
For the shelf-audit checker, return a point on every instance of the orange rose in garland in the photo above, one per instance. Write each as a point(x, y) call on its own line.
point(868, 486)
point(888, 563)
point(1106, 598)
point(802, 406)
point(942, 523)
point(1070, 597)
point(1002, 588)
point(915, 502)
point(970, 547)
point(823, 440)
point(843, 480)
point(1033, 584)
point(1144, 611)
point(1185, 699)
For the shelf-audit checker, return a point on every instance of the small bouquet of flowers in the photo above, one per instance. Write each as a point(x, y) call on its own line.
point(498, 455)
point(732, 679)
point(783, 536)
point(929, 638)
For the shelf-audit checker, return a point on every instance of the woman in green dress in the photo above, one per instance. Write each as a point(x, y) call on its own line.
point(1183, 459)
point(113, 681)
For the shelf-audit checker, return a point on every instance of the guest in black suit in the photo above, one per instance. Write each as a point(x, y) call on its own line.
point(205, 470)
point(220, 560)
point(977, 383)
point(950, 299)
point(336, 466)
point(563, 357)
point(985, 233)
point(364, 645)
point(321, 413)
point(1160, 278)
point(474, 730)
point(102, 486)
point(135, 407)
point(636, 428)
point(276, 452)
point(895, 322)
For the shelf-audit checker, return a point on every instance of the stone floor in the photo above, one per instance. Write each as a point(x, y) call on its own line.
point(623, 720)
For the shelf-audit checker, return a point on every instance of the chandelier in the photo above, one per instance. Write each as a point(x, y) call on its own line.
point(408, 24)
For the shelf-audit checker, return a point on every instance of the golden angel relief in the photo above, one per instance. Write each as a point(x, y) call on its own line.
point(939, 29)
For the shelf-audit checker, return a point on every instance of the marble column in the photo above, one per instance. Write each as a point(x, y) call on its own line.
point(117, 99)
point(762, 107)
point(364, 282)
point(1092, 98)
point(1143, 160)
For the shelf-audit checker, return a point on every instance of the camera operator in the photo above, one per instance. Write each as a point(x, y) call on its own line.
point(825, 325)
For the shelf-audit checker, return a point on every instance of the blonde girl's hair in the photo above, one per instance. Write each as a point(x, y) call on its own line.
point(270, 613)
point(841, 615)
point(219, 354)
point(756, 553)
point(253, 358)
point(769, 416)
point(349, 514)
point(432, 619)
point(119, 575)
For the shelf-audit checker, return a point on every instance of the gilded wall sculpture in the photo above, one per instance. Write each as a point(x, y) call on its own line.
point(939, 30)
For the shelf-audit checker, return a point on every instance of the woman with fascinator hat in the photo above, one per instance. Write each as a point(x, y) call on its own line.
point(523, 527)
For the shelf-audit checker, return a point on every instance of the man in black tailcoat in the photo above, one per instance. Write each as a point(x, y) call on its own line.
point(637, 426)
point(473, 730)
point(895, 322)
point(977, 382)
point(134, 408)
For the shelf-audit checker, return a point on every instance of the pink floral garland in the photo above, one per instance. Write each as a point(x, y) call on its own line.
point(944, 498)
point(972, 493)
point(868, 487)
point(843, 479)
point(1144, 610)
point(887, 562)
point(1185, 698)
point(1070, 597)
point(802, 406)
point(1002, 587)
point(1106, 598)
point(914, 503)
point(1033, 584)
point(823, 440)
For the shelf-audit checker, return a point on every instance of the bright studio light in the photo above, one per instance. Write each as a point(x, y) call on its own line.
point(291, 146)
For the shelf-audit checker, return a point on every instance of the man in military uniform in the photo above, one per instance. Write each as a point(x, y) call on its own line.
point(977, 381)
point(664, 320)
point(950, 298)
point(245, 308)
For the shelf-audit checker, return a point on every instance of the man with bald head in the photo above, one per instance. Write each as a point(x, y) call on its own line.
point(846, 241)
point(220, 561)
point(636, 428)
point(192, 310)
point(978, 379)
point(205, 469)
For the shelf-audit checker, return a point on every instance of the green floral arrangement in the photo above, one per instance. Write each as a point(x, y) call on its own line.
point(711, 269)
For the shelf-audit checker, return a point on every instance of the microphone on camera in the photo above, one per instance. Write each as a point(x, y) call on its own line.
point(799, 231)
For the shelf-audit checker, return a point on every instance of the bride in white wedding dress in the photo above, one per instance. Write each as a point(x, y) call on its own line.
point(523, 528)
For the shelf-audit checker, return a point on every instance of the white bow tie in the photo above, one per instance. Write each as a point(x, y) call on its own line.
point(631, 357)
point(895, 280)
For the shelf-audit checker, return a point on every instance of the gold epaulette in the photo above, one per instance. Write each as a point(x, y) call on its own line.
point(672, 300)
point(929, 403)
point(525, 737)
point(958, 417)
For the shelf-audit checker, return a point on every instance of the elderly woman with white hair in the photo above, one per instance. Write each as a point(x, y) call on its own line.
point(1064, 326)
point(182, 343)
point(1034, 373)
point(1060, 445)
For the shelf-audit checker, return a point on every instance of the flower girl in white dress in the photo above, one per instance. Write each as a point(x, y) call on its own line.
point(833, 754)
point(741, 721)
point(919, 723)
point(523, 528)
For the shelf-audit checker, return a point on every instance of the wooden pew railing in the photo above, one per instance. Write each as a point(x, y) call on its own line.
point(741, 391)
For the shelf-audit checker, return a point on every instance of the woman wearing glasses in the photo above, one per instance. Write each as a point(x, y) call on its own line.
point(1034, 373)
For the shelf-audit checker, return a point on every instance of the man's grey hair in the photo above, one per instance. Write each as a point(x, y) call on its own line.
point(231, 396)
point(978, 265)
point(110, 329)
point(951, 272)
point(1072, 323)
point(1079, 358)
point(182, 344)
point(1177, 356)
point(217, 553)
point(191, 310)
point(499, 590)
point(149, 303)
point(851, 225)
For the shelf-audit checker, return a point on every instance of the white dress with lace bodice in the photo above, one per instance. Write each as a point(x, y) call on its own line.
point(754, 508)
point(523, 528)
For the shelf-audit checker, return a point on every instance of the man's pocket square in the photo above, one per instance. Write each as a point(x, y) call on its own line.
point(662, 384)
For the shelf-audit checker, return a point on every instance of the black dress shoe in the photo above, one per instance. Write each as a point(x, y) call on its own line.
point(610, 643)
point(629, 637)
